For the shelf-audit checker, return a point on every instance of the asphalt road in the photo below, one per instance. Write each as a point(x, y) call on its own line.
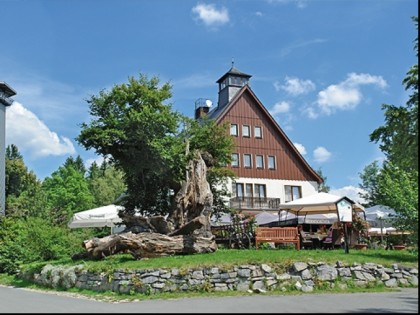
point(18, 300)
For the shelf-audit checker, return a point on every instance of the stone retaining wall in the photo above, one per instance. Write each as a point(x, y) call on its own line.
point(258, 278)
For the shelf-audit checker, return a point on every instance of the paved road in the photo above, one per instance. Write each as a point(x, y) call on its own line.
point(17, 300)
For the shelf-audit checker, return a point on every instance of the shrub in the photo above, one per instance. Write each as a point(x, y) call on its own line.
point(26, 240)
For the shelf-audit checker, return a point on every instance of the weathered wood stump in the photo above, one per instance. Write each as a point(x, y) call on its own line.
point(186, 230)
point(148, 245)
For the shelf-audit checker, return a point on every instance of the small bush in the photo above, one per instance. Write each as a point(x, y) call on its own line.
point(26, 240)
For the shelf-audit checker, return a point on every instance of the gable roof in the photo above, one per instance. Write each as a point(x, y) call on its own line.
point(235, 72)
point(220, 112)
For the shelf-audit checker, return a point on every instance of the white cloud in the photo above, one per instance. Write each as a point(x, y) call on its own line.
point(299, 3)
point(194, 81)
point(295, 86)
point(281, 112)
point(280, 108)
point(338, 97)
point(210, 16)
point(350, 192)
point(30, 134)
point(321, 154)
point(343, 96)
point(300, 148)
point(365, 78)
point(300, 44)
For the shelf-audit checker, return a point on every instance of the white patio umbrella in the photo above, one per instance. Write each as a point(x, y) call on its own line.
point(323, 203)
point(320, 218)
point(265, 218)
point(380, 215)
point(318, 203)
point(97, 217)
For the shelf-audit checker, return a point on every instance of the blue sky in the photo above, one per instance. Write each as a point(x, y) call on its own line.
point(322, 68)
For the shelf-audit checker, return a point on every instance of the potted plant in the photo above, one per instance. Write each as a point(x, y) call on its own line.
point(361, 227)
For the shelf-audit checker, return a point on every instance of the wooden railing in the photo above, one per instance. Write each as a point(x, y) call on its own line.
point(254, 203)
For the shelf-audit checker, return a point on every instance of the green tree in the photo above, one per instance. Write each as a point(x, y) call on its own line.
point(147, 140)
point(106, 183)
point(398, 137)
point(77, 163)
point(396, 185)
point(323, 187)
point(67, 192)
point(399, 191)
point(22, 186)
point(133, 126)
point(369, 185)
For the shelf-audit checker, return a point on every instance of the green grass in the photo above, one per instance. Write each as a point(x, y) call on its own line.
point(224, 258)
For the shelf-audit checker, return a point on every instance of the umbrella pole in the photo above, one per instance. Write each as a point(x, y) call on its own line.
point(382, 233)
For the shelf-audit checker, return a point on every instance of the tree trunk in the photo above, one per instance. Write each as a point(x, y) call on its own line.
point(186, 231)
point(148, 245)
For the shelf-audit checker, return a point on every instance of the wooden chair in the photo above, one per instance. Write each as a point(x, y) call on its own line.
point(305, 240)
point(328, 243)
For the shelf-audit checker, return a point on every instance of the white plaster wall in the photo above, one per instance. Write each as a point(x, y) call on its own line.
point(275, 187)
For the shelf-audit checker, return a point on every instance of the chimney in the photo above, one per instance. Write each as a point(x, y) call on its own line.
point(202, 107)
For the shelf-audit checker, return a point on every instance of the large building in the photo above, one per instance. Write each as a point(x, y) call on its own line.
point(269, 168)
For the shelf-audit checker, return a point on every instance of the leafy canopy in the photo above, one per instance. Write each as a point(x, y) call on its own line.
point(396, 183)
point(149, 142)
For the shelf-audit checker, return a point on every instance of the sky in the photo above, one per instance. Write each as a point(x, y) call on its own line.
point(323, 68)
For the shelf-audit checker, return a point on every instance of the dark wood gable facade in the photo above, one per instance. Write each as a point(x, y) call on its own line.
point(250, 116)
point(269, 168)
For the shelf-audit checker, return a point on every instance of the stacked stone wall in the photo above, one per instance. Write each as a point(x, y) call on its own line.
point(299, 276)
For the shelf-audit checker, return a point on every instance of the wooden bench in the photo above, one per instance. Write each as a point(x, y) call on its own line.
point(277, 235)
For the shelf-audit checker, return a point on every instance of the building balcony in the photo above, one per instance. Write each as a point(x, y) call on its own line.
point(254, 204)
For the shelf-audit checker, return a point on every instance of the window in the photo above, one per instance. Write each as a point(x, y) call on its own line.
point(259, 191)
point(292, 193)
point(235, 160)
point(234, 130)
point(248, 190)
point(258, 132)
point(239, 190)
point(247, 161)
point(271, 162)
point(259, 161)
point(245, 131)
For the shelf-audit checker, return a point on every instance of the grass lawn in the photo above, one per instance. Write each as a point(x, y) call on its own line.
point(224, 258)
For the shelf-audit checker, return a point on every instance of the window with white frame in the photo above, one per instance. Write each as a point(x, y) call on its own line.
point(246, 131)
point(259, 191)
point(258, 132)
point(234, 130)
point(239, 190)
point(235, 160)
point(259, 161)
point(271, 162)
point(247, 161)
point(292, 193)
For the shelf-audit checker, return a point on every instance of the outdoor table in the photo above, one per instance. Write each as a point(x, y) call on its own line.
point(317, 239)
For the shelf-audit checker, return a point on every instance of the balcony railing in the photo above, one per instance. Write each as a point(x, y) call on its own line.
point(254, 203)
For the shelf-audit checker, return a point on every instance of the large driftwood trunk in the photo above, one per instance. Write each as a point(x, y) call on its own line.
point(148, 245)
point(186, 231)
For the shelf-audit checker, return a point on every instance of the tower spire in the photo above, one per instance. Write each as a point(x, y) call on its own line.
point(233, 61)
